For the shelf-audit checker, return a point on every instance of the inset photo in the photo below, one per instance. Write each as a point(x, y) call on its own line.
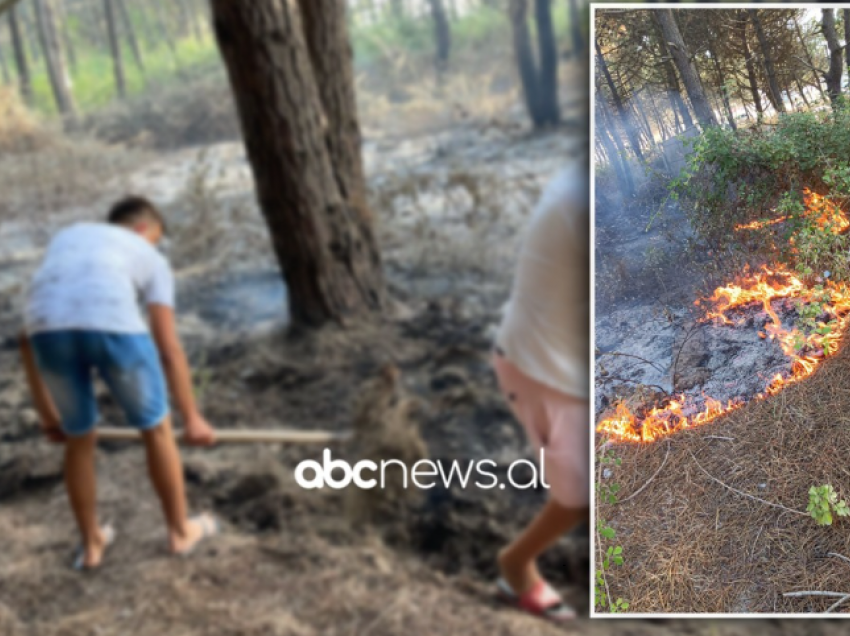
point(721, 185)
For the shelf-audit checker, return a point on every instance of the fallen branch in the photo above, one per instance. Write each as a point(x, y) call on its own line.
point(631, 355)
point(648, 481)
point(844, 595)
point(743, 494)
point(840, 556)
point(837, 604)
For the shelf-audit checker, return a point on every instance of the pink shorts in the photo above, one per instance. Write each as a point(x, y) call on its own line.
point(557, 423)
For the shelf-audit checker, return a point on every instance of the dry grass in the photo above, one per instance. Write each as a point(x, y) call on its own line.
point(692, 544)
point(20, 129)
point(198, 111)
point(73, 173)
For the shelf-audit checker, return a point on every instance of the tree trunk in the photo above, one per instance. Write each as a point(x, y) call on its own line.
point(442, 34)
point(4, 68)
point(548, 56)
point(127, 22)
point(575, 29)
point(54, 58)
point(29, 23)
point(767, 56)
point(677, 124)
point(724, 93)
point(836, 61)
point(676, 95)
point(674, 89)
point(629, 126)
point(65, 34)
point(658, 116)
point(115, 47)
point(846, 14)
point(525, 61)
point(21, 62)
point(809, 59)
point(326, 34)
point(605, 127)
point(163, 23)
point(308, 192)
point(802, 92)
point(749, 63)
point(688, 72)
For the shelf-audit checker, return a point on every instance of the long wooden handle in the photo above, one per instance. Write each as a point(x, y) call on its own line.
point(241, 436)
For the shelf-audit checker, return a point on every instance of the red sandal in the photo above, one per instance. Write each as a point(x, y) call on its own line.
point(540, 600)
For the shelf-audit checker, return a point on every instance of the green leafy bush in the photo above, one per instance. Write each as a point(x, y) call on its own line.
point(733, 177)
point(736, 177)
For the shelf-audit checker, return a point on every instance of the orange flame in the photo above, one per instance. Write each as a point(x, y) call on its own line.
point(804, 350)
point(826, 213)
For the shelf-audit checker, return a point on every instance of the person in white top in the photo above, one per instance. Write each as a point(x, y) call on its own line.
point(82, 317)
point(542, 363)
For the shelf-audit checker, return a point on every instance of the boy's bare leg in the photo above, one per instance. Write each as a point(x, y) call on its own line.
point(166, 473)
point(518, 560)
point(81, 486)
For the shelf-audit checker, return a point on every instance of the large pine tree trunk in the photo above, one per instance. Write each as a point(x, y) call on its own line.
point(673, 87)
point(767, 56)
point(307, 190)
point(54, 58)
point(688, 72)
point(836, 61)
point(21, 62)
point(442, 34)
point(115, 47)
point(548, 56)
point(326, 34)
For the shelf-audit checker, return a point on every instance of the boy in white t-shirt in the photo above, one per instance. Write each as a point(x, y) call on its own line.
point(542, 362)
point(82, 317)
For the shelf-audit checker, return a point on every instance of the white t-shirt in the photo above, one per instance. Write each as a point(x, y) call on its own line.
point(93, 277)
point(545, 331)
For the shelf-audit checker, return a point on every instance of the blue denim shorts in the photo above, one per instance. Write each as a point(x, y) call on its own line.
point(128, 363)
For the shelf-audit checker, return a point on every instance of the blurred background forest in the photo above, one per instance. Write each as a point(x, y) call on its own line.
point(131, 71)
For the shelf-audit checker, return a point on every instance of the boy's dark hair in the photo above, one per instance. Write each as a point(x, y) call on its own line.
point(133, 208)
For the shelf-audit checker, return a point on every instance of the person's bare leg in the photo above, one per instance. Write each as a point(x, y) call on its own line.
point(518, 560)
point(166, 474)
point(81, 486)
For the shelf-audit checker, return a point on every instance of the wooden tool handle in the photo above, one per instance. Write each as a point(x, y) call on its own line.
point(241, 436)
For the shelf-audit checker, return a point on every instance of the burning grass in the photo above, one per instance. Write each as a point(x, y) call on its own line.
point(692, 544)
point(823, 313)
